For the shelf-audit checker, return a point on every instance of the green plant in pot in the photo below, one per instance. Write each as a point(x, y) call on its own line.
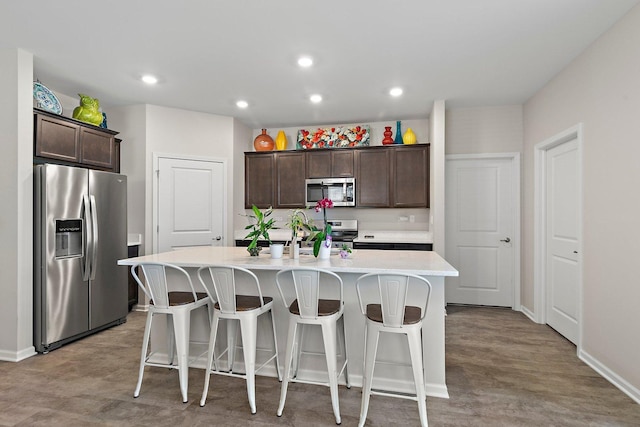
point(298, 223)
point(300, 226)
point(260, 228)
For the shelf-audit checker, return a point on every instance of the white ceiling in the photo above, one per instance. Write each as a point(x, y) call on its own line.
point(208, 53)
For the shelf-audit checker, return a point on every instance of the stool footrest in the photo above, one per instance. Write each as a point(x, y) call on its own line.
point(398, 394)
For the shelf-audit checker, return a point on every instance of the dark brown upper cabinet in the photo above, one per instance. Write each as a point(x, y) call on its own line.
point(330, 163)
point(290, 176)
point(70, 141)
point(410, 172)
point(386, 176)
point(259, 179)
point(373, 174)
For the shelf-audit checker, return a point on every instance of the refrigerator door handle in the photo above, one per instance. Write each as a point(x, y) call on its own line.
point(94, 249)
point(88, 238)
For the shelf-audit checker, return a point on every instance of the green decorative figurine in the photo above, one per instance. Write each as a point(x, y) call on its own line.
point(88, 111)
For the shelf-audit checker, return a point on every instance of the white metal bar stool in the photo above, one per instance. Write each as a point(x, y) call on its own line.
point(383, 301)
point(177, 305)
point(220, 283)
point(308, 307)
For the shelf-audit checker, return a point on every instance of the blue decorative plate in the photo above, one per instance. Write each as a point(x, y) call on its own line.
point(46, 99)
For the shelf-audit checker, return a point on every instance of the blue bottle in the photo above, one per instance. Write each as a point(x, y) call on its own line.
point(398, 138)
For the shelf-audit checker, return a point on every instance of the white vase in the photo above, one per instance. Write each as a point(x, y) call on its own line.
point(325, 252)
point(294, 249)
point(276, 250)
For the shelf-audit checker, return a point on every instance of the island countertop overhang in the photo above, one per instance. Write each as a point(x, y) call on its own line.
point(422, 263)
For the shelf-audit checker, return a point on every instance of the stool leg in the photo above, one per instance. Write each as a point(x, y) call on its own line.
point(415, 349)
point(331, 354)
point(232, 331)
point(299, 340)
point(181, 328)
point(370, 352)
point(171, 339)
point(143, 356)
point(210, 310)
point(291, 338)
point(210, 358)
point(275, 345)
point(343, 342)
point(249, 332)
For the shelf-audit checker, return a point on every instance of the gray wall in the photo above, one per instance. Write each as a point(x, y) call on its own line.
point(601, 89)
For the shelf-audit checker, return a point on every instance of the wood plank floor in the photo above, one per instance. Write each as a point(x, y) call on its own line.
point(502, 370)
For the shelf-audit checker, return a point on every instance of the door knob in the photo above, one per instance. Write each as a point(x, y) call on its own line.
point(217, 238)
point(507, 240)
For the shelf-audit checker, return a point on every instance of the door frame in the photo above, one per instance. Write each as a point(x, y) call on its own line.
point(540, 223)
point(515, 191)
point(156, 198)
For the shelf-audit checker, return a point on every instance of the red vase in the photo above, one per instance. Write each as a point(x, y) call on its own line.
point(387, 135)
point(263, 142)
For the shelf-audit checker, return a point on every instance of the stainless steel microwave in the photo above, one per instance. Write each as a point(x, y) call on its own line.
point(342, 191)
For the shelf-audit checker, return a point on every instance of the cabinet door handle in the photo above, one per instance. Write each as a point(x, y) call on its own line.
point(507, 240)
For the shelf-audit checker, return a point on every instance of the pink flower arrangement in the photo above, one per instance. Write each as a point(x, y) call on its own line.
point(324, 204)
point(324, 236)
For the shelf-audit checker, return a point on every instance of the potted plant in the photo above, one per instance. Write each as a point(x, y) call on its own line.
point(260, 228)
point(345, 251)
point(322, 238)
point(299, 225)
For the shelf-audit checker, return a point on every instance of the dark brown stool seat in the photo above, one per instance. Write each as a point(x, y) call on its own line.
point(412, 314)
point(248, 302)
point(326, 307)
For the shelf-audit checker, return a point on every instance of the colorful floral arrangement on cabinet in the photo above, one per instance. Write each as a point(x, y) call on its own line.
point(334, 137)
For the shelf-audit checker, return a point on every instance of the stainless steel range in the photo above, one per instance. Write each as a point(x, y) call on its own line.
point(343, 231)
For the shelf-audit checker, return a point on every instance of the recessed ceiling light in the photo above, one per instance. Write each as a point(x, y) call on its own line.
point(315, 98)
point(149, 79)
point(396, 91)
point(242, 104)
point(305, 61)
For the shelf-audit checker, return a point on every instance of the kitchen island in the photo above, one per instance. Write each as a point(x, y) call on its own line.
point(392, 348)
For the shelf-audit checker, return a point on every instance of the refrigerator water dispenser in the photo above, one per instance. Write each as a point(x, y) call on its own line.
point(68, 238)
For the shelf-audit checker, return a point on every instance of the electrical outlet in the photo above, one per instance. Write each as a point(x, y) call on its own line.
point(412, 218)
point(403, 218)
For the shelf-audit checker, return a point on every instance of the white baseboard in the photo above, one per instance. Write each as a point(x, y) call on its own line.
point(140, 307)
point(11, 356)
point(528, 313)
point(609, 375)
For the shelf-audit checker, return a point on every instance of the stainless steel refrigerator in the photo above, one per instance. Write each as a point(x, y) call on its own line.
point(80, 232)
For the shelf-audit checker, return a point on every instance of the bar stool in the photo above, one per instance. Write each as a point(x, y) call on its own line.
point(177, 305)
point(385, 309)
point(310, 308)
point(221, 285)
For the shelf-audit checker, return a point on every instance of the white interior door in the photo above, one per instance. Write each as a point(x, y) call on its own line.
point(191, 203)
point(480, 238)
point(561, 236)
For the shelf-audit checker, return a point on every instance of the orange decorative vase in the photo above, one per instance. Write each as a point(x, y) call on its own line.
point(263, 142)
point(387, 135)
point(281, 141)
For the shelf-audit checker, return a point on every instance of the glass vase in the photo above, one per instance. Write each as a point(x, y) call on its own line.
point(398, 139)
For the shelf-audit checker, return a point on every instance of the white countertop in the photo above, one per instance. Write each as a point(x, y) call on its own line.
point(424, 263)
point(134, 239)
